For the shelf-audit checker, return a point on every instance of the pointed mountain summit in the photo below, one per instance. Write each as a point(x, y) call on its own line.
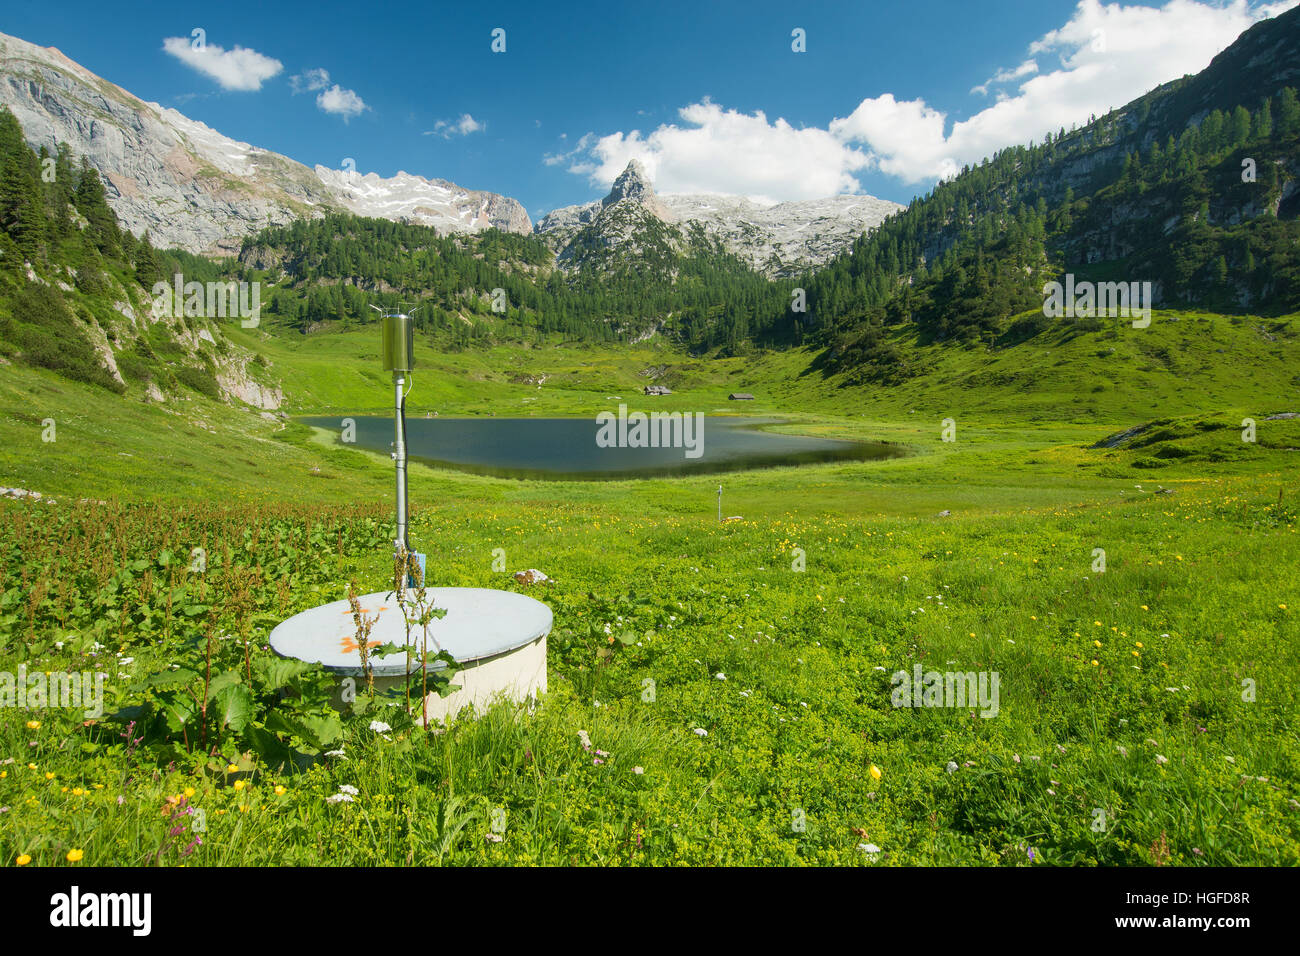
point(633, 185)
point(778, 240)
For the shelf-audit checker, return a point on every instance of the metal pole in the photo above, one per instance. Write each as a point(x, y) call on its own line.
point(399, 455)
point(719, 504)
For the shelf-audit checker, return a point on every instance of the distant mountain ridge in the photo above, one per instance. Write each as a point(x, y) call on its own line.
point(780, 241)
point(193, 188)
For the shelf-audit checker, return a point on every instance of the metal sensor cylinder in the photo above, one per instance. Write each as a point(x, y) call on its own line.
point(399, 343)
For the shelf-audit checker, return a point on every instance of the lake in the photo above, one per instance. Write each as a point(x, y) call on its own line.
point(582, 449)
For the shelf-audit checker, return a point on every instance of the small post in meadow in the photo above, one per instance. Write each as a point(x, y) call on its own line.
point(719, 504)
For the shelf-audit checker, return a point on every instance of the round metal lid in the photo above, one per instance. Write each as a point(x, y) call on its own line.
point(480, 622)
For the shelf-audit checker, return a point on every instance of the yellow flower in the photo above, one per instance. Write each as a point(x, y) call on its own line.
point(1144, 607)
point(1136, 654)
point(1282, 606)
point(240, 784)
point(24, 859)
point(280, 791)
point(1095, 664)
point(875, 771)
point(31, 766)
point(972, 633)
point(3, 774)
point(48, 775)
point(1138, 643)
point(74, 856)
point(232, 769)
point(33, 725)
point(243, 808)
point(189, 791)
point(1096, 643)
point(1098, 623)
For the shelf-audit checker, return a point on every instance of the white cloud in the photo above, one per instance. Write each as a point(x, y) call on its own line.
point(345, 103)
point(1103, 57)
point(1006, 76)
point(309, 80)
point(1107, 55)
point(237, 69)
point(724, 151)
point(460, 127)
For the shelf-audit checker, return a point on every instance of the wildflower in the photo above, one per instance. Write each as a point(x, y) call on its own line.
point(493, 837)
point(339, 798)
point(638, 770)
point(1096, 643)
point(870, 848)
point(1137, 643)
point(241, 784)
point(379, 727)
point(596, 762)
point(74, 856)
point(24, 859)
point(189, 791)
point(49, 776)
point(1161, 758)
point(1123, 751)
point(348, 789)
point(232, 769)
point(875, 772)
point(280, 791)
point(31, 766)
point(719, 676)
point(1016, 757)
point(952, 766)
point(700, 732)
point(1094, 663)
point(33, 725)
point(584, 740)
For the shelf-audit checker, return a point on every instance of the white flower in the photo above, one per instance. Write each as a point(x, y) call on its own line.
point(348, 788)
point(584, 740)
point(1161, 758)
point(868, 848)
point(638, 770)
point(700, 732)
point(379, 727)
point(493, 837)
point(336, 753)
point(952, 766)
point(719, 676)
point(339, 798)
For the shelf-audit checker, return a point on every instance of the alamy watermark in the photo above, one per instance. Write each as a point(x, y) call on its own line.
point(84, 691)
point(947, 689)
point(653, 430)
point(210, 300)
point(1087, 300)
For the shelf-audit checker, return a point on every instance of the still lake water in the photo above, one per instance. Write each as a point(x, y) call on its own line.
point(566, 448)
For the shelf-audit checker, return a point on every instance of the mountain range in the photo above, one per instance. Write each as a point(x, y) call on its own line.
point(195, 189)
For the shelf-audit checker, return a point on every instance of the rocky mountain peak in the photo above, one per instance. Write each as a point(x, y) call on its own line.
point(632, 183)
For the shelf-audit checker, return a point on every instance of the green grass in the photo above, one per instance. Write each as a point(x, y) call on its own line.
point(1196, 596)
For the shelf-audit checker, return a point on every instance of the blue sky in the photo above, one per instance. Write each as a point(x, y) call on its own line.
point(710, 95)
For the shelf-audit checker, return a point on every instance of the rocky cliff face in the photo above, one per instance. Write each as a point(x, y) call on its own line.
point(779, 240)
point(195, 189)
